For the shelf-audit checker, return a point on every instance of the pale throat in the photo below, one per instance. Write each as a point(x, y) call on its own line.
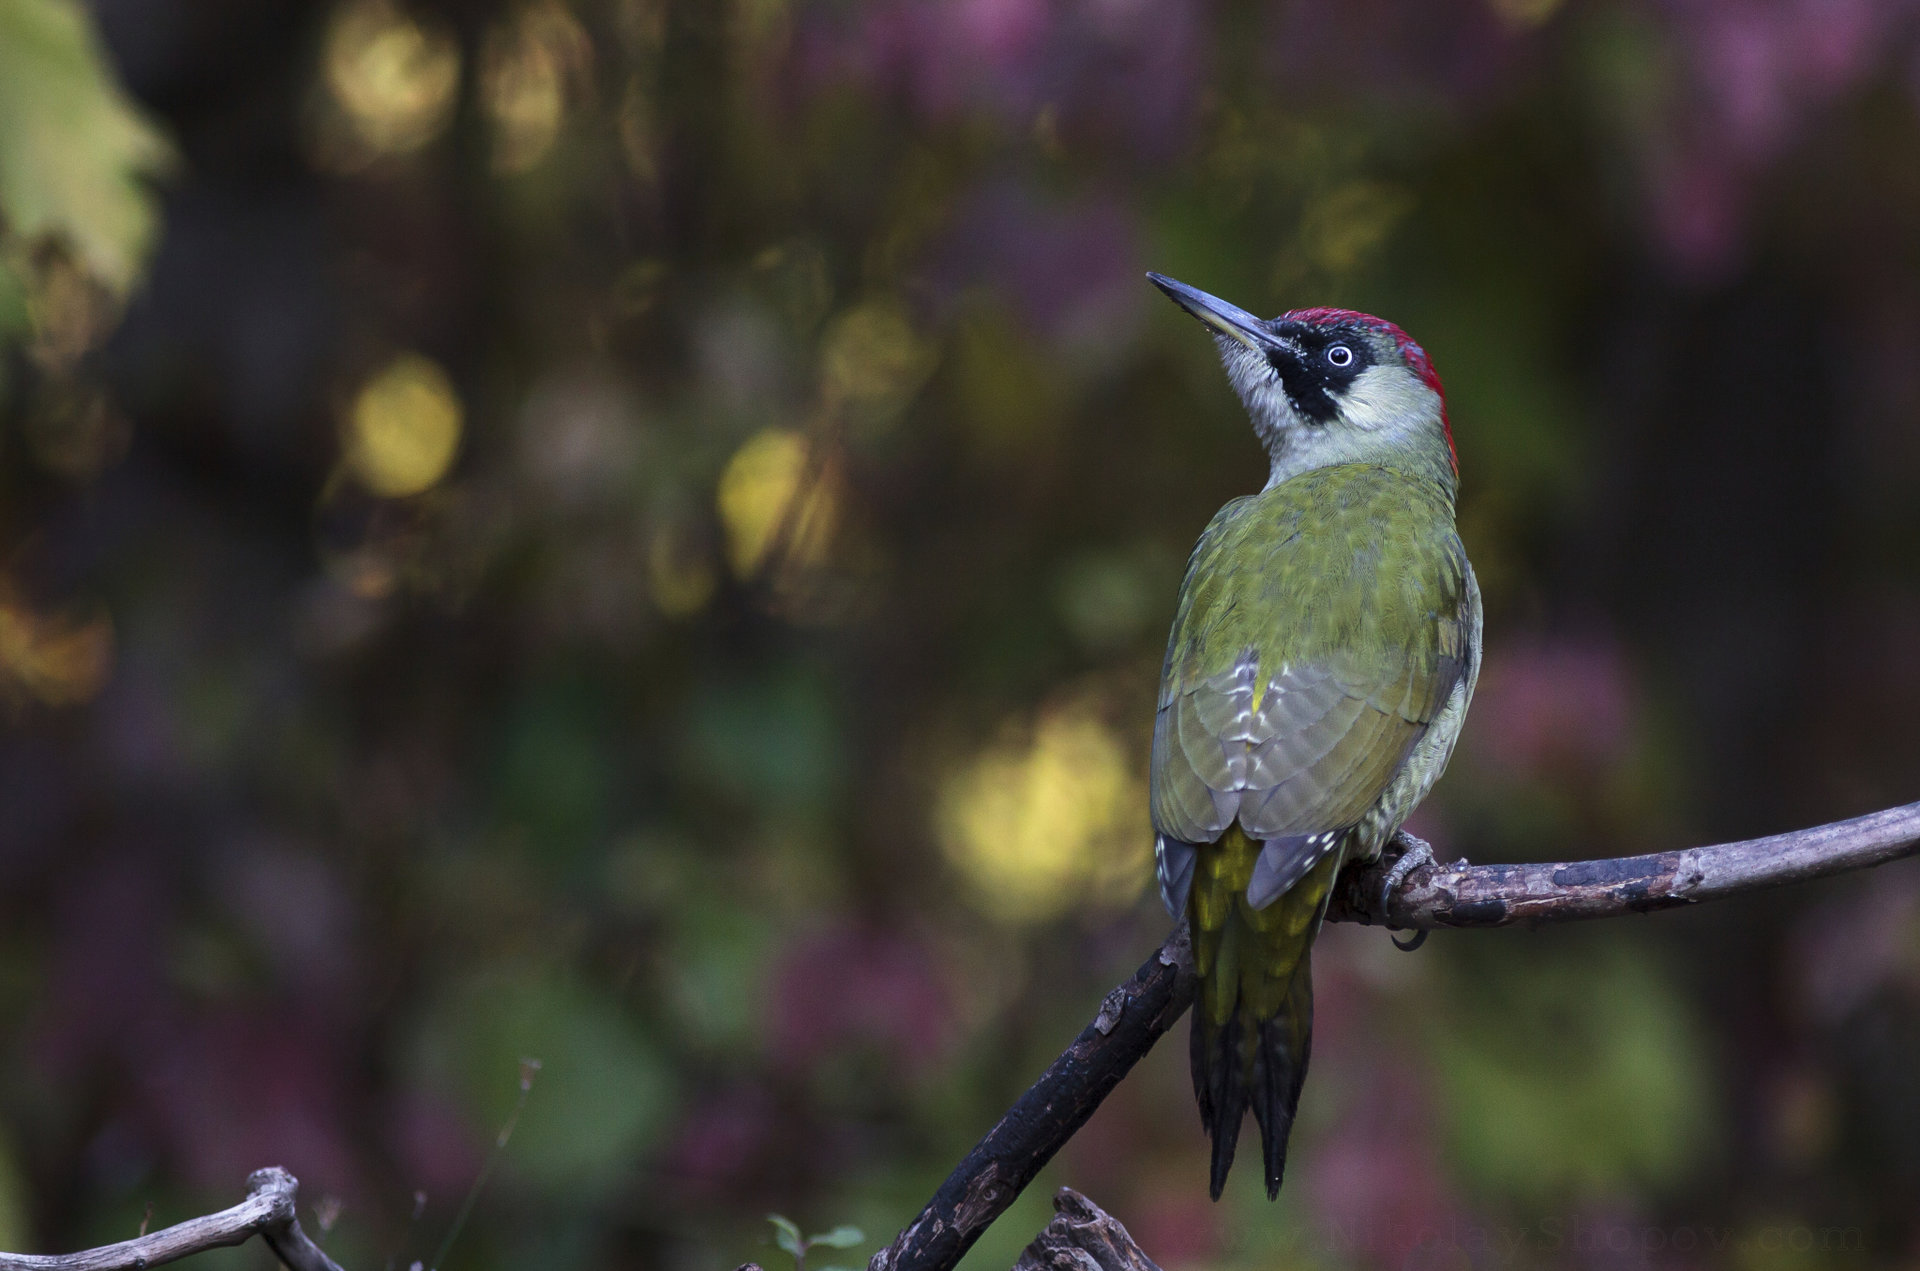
point(1385, 419)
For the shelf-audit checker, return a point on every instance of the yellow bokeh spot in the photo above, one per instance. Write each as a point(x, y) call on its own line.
point(872, 362)
point(1050, 819)
point(58, 661)
point(766, 497)
point(394, 78)
point(404, 428)
point(525, 67)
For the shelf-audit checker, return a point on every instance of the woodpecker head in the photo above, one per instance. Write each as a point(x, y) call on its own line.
point(1327, 386)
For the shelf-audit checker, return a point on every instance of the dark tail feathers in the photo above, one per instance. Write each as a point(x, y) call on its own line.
point(1254, 1063)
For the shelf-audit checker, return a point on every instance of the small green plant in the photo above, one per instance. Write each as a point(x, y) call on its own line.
point(786, 1234)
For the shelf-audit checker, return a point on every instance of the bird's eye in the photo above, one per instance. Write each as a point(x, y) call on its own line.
point(1339, 356)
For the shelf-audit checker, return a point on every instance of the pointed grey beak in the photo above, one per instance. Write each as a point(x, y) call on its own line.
point(1227, 319)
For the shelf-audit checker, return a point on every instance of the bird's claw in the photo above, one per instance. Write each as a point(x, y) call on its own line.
point(1417, 853)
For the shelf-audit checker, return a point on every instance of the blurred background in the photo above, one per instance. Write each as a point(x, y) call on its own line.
point(640, 534)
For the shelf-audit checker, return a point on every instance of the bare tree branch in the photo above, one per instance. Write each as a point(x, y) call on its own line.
point(1133, 1016)
point(1463, 895)
point(1083, 1237)
point(999, 1168)
point(268, 1212)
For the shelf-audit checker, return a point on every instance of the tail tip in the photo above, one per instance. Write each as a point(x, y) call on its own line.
point(1223, 1145)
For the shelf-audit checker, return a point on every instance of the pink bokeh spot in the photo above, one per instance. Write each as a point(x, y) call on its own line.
point(850, 988)
point(1761, 68)
point(721, 1139)
point(1698, 211)
point(1754, 78)
point(1554, 705)
point(1069, 270)
point(1179, 1224)
point(240, 1087)
point(999, 31)
point(1122, 70)
point(1377, 1183)
point(437, 1147)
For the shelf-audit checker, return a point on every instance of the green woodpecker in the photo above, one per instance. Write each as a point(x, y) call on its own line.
point(1324, 650)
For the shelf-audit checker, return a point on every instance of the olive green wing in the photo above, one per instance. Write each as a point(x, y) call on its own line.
point(1310, 654)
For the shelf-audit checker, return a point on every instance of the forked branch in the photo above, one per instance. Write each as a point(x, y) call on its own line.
point(267, 1212)
point(1083, 1237)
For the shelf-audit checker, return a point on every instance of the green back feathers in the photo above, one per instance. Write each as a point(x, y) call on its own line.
point(1321, 627)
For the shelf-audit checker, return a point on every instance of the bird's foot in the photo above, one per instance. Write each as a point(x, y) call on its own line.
point(1417, 853)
